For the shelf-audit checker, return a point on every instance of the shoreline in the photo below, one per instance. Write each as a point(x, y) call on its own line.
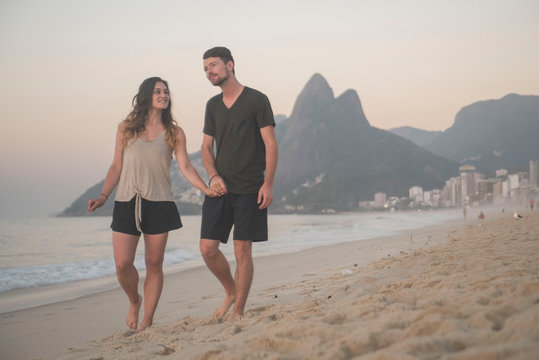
point(195, 293)
point(30, 297)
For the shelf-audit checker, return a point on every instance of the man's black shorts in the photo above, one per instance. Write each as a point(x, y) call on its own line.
point(220, 213)
point(157, 217)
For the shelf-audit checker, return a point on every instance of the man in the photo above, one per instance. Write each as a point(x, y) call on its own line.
point(240, 122)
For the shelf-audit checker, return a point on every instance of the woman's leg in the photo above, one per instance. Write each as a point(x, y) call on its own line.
point(125, 247)
point(154, 254)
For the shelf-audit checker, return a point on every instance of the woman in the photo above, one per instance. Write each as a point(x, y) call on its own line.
point(145, 141)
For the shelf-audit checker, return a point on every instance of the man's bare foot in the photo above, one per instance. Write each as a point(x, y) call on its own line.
point(234, 316)
point(132, 315)
point(223, 309)
point(144, 326)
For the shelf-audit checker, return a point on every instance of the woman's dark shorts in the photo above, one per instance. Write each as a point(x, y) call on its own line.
point(220, 213)
point(157, 217)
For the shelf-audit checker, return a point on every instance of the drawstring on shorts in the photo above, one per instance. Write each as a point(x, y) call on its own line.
point(138, 210)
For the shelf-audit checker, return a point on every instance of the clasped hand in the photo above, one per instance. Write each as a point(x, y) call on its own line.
point(218, 186)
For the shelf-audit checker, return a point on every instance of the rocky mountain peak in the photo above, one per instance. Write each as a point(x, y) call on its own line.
point(317, 85)
point(349, 103)
point(316, 95)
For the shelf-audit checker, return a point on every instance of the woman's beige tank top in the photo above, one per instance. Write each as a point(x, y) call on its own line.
point(146, 170)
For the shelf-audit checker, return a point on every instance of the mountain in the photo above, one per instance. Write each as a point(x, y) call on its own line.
point(331, 157)
point(279, 118)
point(493, 134)
point(417, 136)
point(79, 207)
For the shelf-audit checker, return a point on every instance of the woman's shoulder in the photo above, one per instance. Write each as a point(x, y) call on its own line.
point(122, 125)
point(178, 131)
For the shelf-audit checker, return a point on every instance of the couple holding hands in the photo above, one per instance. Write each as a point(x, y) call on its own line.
point(239, 122)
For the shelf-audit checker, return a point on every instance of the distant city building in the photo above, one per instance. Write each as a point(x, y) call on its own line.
point(393, 201)
point(520, 194)
point(471, 188)
point(436, 197)
point(501, 173)
point(427, 198)
point(497, 192)
point(467, 184)
point(506, 189)
point(513, 181)
point(485, 190)
point(452, 192)
point(533, 174)
point(416, 194)
point(193, 196)
point(379, 199)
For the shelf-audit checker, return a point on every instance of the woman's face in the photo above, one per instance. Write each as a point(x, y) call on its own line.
point(160, 98)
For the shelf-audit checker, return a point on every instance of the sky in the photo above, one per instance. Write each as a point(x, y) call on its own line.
point(69, 69)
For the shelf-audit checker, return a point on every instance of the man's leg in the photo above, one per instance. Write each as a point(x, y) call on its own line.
point(153, 285)
point(124, 247)
point(218, 265)
point(244, 275)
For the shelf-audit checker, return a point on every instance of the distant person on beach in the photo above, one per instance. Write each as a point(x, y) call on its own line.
point(464, 212)
point(516, 215)
point(481, 216)
point(240, 122)
point(144, 203)
point(531, 204)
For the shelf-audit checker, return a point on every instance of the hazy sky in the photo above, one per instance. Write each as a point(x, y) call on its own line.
point(69, 69)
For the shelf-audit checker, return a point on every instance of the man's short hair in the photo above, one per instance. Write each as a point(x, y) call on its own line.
point(219, 51)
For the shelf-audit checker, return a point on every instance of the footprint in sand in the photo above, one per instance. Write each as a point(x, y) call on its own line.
point(484, 301)
point(259, 310)
point(498, 317)
point(335, 319)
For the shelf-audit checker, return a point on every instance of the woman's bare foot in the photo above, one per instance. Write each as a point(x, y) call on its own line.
point(144, 326)
point(132, 315)
point(223, 309)
point(234, 316)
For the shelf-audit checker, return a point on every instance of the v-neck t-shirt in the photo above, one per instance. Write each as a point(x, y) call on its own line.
point(241, 155)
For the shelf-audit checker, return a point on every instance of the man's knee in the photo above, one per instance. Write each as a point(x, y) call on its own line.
point(209, 248)
point(242, 250)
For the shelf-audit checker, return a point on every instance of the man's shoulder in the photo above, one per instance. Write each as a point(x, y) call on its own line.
point(214, 99)
point(254, 92)
point(255, 96)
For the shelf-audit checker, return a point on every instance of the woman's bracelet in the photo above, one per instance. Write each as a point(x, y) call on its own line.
point(105, 195)
point(211, 177)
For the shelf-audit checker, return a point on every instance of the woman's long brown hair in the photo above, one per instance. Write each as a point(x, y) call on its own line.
point(142, 103)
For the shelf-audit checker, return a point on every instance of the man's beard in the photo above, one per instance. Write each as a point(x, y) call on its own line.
point(219, 81)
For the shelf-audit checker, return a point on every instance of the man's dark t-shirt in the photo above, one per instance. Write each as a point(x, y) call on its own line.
point(241, 154)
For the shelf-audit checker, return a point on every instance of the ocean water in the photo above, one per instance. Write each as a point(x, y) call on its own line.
point(44, 251)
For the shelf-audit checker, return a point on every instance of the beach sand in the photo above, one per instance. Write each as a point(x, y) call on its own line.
point(455, 291)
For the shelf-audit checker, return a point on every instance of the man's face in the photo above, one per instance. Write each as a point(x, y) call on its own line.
point(216, 70)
